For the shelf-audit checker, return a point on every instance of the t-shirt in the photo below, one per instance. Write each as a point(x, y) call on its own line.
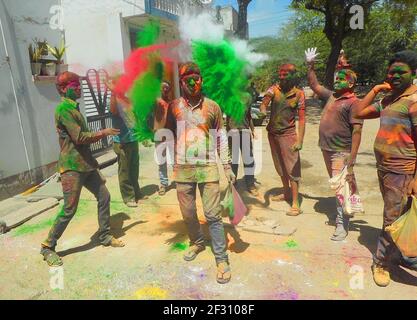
point(336, 124)
point(394, 146)
point(285, 109)
point(198, 133)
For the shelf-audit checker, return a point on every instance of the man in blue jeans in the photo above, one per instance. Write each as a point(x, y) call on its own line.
point(197, 125)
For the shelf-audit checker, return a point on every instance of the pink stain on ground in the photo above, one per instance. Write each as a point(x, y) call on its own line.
point(287, 295)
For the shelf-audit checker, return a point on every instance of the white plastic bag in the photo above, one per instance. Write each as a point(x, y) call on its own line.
point(347, 192)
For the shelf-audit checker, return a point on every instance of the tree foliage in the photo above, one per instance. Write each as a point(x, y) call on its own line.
point(390, 27)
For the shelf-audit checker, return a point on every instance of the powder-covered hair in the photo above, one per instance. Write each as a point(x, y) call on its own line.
point(63, 79)
point(352, 77)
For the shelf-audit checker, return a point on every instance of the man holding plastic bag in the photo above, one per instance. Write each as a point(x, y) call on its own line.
point(347, 192)
point(396, 155)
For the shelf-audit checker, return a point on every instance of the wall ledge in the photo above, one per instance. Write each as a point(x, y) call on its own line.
point(43, 79)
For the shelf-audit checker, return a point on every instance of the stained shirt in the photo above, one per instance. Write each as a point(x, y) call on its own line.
point(336, 124)
point(394, 146)
point(285, 109)
point(124, 120)
point(74, 139)
point(199, 136)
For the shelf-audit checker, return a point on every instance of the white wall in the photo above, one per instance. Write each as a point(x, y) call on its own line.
point(96, 33)
point(23, 21)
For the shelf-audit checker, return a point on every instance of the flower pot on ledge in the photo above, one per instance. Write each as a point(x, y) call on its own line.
point(36, 68)
point(61, 67)
point(50, 69)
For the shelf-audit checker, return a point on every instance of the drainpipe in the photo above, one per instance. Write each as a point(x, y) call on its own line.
point(15, 98)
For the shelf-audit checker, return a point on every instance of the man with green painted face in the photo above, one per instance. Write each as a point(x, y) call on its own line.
point(77, 167)
point(395, 153)
point(197, 125)
point(339, 132)
point(287, 108)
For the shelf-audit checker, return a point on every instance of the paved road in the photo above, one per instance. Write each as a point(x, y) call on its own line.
point(306, 265)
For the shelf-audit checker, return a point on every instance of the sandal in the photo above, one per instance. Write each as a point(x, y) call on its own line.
point(116, 243)
point(51, 258)
point(224, 273)
point(192, 252)
point(293, 212)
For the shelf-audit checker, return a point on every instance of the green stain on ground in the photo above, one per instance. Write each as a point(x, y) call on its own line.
point(32, 228)
point(291, 243)
point(117, 206)
point(179, 246)
point(84, 207)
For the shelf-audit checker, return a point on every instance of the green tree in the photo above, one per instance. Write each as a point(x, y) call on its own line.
point(336, 26)
point(386, 32)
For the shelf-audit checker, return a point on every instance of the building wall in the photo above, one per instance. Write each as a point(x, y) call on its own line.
point(97, 36)
point(30, 143)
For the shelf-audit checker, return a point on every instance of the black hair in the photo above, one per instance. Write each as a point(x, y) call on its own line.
point(408, 57)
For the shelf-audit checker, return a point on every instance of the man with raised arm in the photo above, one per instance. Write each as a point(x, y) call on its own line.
point(339, 132)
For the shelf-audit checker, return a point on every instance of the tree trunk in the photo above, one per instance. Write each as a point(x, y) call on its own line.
point(336, 46)
point(242, 21)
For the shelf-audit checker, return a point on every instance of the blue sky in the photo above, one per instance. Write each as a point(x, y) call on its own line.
point(265, 17)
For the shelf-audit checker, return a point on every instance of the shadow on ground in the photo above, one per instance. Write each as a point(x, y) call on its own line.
point(116, 229)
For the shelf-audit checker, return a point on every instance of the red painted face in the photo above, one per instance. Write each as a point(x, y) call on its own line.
point(192, 84)
point(166, 88)
point(287, 76)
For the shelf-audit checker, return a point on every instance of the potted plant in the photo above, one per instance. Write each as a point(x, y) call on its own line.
point(58, 53)
point(35, 56)
point(43, 49)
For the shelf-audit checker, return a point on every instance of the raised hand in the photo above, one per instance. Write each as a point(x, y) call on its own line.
point(311, 54)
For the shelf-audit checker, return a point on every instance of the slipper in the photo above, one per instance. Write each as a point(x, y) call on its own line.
point(278, 197)
point(293, 212)
point(224, 273)
point(52, 258)
point(192, 252)
point(115, 243)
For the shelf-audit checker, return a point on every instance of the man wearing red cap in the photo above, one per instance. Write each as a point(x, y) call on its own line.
point(77, 167)
point(197, 125)
point(288, 106)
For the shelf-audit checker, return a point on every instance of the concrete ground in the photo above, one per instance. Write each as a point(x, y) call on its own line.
point(306, 265)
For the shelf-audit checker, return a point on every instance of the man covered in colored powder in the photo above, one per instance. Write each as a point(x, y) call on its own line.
point(77, 167)
point(126, 147)
point(395, 152)
point(287, 107)
point(197, 125)
point(241, 135)
point(339, 132)
point(160, 115)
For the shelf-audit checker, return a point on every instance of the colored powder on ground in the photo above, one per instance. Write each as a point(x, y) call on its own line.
point(179, 246)
point(82, 210)
point(151, 293)
point(291, 243)
point(117, 206)
point(287, 295)
point(224, 77)
point(32, 228)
